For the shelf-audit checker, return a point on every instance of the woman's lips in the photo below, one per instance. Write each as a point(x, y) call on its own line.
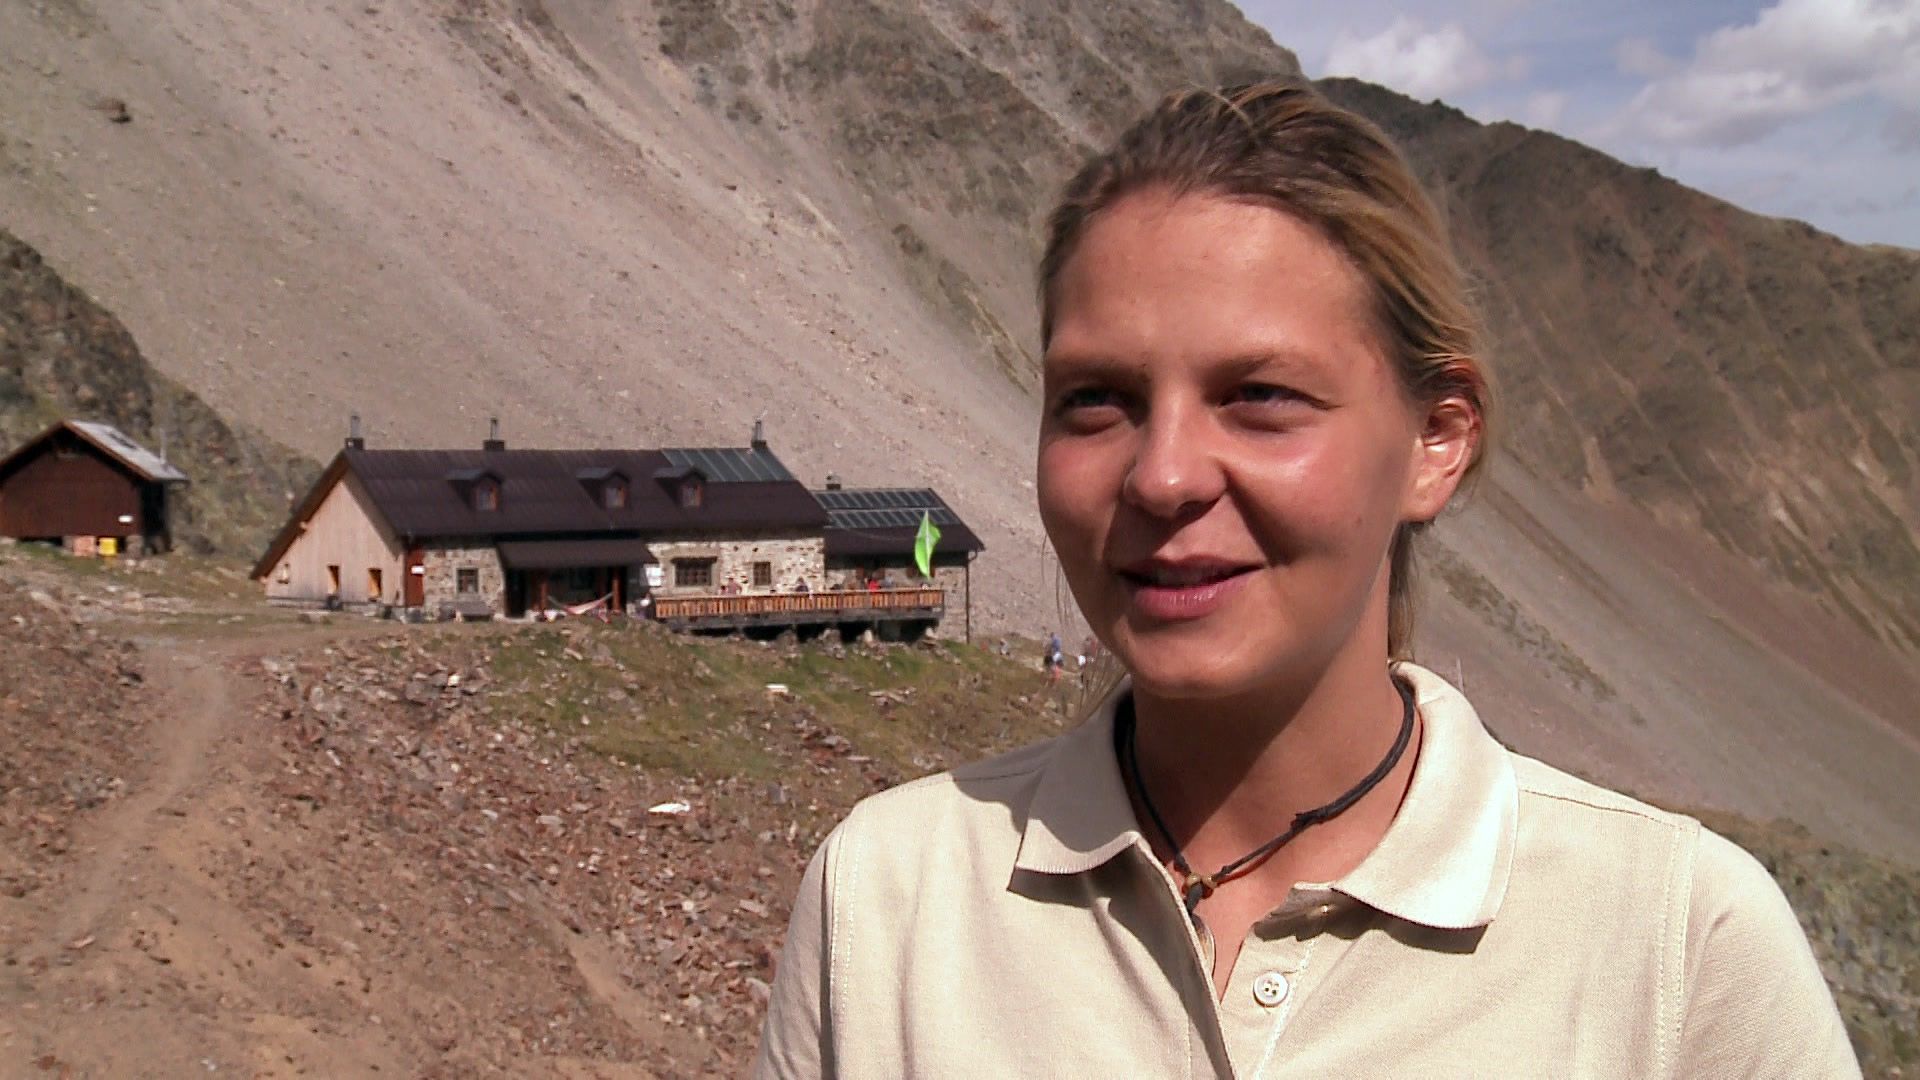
point(1157, 597)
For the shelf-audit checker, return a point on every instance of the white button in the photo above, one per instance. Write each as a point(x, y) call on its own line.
point(1270, 989)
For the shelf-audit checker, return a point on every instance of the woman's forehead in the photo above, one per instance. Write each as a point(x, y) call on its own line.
point(1157, 276)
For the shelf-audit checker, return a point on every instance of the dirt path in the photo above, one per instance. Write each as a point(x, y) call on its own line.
point(146, 960)
point(198, 696)
point(197, 927)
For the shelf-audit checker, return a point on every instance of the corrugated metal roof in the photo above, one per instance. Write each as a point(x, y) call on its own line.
point(730, 465)
point(132, 454)
point(889, 519)
point(884, 508)
point(880, 499)
point(882, 522)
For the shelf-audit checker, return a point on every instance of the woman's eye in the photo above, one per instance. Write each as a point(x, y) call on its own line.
point(1264, 394)
point(1086, 403)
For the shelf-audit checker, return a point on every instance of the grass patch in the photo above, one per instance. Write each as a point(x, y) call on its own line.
point(703, 706)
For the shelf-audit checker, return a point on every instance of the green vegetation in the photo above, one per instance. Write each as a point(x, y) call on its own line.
point(1862, 915)
point(703, 707)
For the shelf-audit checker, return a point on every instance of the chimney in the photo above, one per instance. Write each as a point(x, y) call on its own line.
point(494, 441)
point(354, 441)
point(833, 482)
point(759, 435)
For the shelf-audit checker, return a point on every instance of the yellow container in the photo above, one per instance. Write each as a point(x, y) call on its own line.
point(109, 546)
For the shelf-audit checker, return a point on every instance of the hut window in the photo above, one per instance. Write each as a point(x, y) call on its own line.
point(762, 575)
point(615, 495)
point(333, 579)
point(691, 491)
point(693, 573)
point(373, 583)
point(467, 580)
point(486, 495)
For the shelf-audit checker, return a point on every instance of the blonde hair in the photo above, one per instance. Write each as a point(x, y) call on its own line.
point(1284, 144)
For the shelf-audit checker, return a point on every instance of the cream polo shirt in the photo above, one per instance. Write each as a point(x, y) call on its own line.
point(1008, 919)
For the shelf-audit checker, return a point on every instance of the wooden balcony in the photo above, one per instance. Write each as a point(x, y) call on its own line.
point(720, 612)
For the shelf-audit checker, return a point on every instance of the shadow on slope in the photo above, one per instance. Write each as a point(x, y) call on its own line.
point(62, 356)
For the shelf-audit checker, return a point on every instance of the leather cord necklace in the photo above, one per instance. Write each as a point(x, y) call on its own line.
point(1200, 886)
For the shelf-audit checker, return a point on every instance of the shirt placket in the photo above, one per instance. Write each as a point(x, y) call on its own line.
point(1271, 976)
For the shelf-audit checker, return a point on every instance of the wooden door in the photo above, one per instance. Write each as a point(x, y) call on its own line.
point(416, 577)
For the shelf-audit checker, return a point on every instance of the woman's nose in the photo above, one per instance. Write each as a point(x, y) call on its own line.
point(1175, 472)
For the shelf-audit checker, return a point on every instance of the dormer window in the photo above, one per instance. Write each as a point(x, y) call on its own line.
point(687, 485)
point(606, 486)
point(480, 488)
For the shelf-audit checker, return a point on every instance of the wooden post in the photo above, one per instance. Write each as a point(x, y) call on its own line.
point(968, 589)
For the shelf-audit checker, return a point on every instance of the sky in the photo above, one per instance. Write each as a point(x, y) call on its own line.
point(1807, 109)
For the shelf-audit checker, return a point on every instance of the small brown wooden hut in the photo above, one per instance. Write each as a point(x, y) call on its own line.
point(79, 482)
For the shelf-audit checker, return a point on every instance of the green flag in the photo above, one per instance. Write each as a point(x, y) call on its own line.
point(923, 542)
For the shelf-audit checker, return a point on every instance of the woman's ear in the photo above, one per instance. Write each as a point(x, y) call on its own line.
point(1448, 443)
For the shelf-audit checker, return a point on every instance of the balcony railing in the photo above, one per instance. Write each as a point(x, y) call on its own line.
point(798, 608)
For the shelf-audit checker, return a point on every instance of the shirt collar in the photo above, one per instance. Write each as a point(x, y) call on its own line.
point(1080, 815)
point(1446, 858)
point(1444, 862)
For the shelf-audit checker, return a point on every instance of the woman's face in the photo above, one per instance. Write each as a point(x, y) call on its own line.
point(1225, 454)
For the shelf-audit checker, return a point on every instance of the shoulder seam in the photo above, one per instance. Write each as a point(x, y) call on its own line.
point(841, 948)
point(1678, 916)
point(1666, 818)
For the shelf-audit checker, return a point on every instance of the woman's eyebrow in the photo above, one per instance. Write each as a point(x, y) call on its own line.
point(1093, 366)
point(1267, 361)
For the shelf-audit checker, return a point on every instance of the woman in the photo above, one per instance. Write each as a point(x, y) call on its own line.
point(1273, 850)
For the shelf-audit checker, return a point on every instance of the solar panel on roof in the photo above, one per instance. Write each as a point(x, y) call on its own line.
point(889, 519)
point(880, 499)
point(730, 465)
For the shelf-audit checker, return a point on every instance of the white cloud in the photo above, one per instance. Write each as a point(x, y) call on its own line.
point(1544, 109)
point(1417, 61)
point(1640, 56)
point(1798, 58)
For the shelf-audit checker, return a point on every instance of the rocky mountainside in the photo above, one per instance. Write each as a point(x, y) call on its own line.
point(524, 850)
point(1747, 377)
point(1695, 573)
point(656, 222)
point(62, 356)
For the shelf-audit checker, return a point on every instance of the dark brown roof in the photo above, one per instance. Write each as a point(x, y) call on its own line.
point(541, 492)
point(574, 554)
point(882, 523)
point(548, 494)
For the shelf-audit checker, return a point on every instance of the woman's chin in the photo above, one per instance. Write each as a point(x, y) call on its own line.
point(1187, 672)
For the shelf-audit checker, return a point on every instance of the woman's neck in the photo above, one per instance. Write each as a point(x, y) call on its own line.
point(1227, 774)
